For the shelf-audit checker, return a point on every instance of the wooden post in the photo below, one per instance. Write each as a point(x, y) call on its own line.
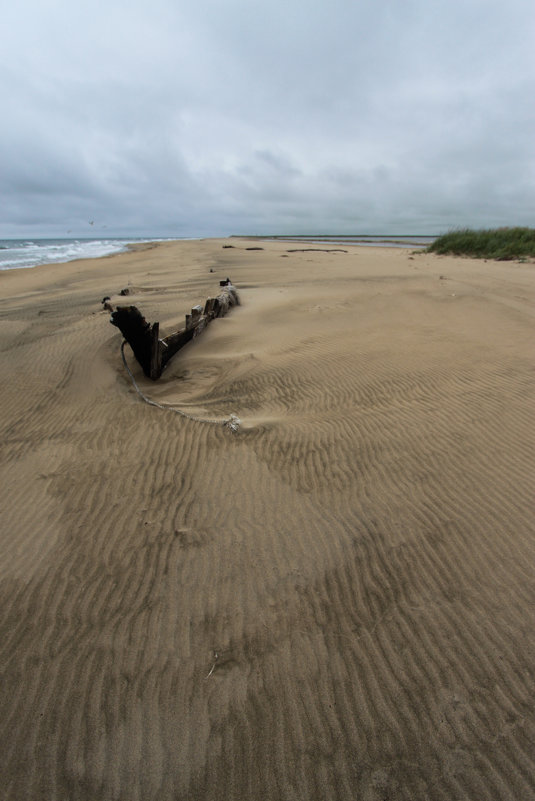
point(155, 352)
point(209, 306)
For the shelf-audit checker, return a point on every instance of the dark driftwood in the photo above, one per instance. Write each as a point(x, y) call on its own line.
point(154, 353)
point(317, 250)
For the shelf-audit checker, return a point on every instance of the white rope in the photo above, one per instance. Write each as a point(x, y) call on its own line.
point(232, 422)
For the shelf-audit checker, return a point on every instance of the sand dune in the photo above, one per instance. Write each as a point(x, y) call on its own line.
point(334, 603)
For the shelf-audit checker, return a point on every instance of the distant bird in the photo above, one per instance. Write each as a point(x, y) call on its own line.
point(91, 222)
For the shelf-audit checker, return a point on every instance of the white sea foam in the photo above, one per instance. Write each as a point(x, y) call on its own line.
point(16, 253)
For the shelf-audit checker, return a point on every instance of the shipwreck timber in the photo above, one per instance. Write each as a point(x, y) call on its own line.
point(154, 353)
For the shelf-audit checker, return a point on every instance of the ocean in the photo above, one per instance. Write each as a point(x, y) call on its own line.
point(16, 253)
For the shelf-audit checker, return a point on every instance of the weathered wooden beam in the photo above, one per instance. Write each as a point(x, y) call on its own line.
point(154, 353)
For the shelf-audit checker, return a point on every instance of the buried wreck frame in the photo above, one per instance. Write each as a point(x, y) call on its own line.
point(154, 353)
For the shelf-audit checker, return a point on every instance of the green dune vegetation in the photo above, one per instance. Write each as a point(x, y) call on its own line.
point(502, 244)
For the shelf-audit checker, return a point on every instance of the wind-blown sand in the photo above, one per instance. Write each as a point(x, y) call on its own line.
point(336, 603)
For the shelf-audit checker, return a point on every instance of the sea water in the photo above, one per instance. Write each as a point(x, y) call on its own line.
point(372, 240)
point(15, 253)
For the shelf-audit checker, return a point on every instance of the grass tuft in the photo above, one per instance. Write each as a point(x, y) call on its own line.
point(502, 244)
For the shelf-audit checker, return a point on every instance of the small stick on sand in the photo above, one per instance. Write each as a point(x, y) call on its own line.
point(216, 657)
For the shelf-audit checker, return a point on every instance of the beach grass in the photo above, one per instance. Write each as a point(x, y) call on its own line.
point(502, 244)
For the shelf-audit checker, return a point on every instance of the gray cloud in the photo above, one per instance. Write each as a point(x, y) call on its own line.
point(199, 118)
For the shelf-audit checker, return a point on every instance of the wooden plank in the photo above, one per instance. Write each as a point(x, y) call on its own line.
point(155, 352)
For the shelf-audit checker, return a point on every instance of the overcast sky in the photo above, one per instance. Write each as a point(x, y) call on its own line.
point(210, 117)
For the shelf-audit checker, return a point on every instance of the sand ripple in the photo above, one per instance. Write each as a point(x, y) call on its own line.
point(336, 603)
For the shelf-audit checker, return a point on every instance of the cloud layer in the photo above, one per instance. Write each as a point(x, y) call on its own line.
point(207, 118)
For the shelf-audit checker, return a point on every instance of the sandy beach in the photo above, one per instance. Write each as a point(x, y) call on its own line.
point(334, 603)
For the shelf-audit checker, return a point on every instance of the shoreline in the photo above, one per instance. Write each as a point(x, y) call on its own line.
point(46, 250)
point(36, 252)
point(328, 604)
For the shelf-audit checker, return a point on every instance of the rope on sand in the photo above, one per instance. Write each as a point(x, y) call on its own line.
point(232, 422)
